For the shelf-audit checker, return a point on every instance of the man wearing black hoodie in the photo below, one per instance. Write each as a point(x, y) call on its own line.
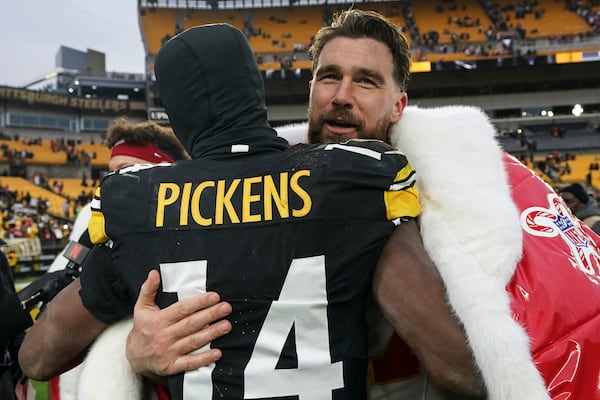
point(282, 234)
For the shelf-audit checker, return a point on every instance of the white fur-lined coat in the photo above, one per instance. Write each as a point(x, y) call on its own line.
point(471, 230)
point(460, 177)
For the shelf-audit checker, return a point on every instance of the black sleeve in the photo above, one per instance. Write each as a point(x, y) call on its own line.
point(14, 318)
point(103, 292)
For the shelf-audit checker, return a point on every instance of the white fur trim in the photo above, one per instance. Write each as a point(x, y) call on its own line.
point(106, 373)
point(471, 230)
point(294, 133)
point(67, 383)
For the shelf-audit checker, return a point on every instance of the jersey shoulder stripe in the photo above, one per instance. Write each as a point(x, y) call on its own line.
point(401, 199)
point(96, 225)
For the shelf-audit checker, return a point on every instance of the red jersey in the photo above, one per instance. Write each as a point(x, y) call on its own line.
point(521, 272)
point(555, 290)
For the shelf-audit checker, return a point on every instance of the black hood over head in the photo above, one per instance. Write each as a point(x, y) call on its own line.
point(213, 92)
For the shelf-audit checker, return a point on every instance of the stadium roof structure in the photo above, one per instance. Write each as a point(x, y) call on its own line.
point(244, 4)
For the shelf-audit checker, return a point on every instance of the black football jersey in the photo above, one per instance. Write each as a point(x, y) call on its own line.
point(289, 239)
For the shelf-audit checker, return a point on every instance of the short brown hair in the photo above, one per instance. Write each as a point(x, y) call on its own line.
point(146, 132)
point(372, 25)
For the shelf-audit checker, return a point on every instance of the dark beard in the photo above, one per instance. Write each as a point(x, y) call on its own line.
point(317, 134)
point(314, 135)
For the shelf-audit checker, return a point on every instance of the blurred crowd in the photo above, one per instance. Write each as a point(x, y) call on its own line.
point(25, 216)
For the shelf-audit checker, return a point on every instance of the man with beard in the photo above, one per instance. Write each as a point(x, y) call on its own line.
point(231, 114)
point(513, 253)
point(350, 100)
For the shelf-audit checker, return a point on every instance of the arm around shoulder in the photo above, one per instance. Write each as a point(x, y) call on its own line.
point(59, 339)
point(412, 297)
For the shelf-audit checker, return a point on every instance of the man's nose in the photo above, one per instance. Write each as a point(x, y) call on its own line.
point(344, 95)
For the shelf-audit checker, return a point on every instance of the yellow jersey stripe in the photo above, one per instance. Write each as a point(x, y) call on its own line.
point(96, 225)
point(403, 203)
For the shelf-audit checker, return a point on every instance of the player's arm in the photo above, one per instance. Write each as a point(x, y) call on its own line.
point(70, 323)
point(60, 337)
point(412, 297)
point(161, 341)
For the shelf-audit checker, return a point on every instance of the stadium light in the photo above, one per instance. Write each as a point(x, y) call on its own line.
point(547, 113)
point(577, 110)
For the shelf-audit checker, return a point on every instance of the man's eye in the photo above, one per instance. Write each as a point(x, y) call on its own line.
point(328, 77)
point(367, 82)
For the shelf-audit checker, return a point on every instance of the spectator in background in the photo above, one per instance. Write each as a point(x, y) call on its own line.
point(57, 187)
point(66, 209)
point(84, 182)
point(582, 205)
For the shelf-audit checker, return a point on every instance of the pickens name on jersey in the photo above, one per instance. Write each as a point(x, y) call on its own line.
point(238, 200)
point(298, 184)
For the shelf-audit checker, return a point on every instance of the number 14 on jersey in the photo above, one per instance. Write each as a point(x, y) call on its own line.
point(302, 305)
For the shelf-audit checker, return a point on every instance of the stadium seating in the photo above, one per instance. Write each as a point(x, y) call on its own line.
point(23, 186)
point(42, 153)
point(101, 153)
point(277, 30)
point(157, 24)
point(280, 30)
point(460, 30)
point(38, 154)
point(452, 23)
point(580, 167)
point(73, 188)
point(555, 21)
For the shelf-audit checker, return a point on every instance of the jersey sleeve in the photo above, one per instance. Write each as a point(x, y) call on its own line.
point(96, 226)
point(103, 292)
point(402, 198)
point(118, 206)
point(376, 165)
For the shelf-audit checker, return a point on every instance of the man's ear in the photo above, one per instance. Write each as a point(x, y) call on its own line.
point(399, 106)
point(310, 84)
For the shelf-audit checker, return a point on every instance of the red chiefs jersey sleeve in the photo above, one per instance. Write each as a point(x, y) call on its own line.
point(556, 288)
